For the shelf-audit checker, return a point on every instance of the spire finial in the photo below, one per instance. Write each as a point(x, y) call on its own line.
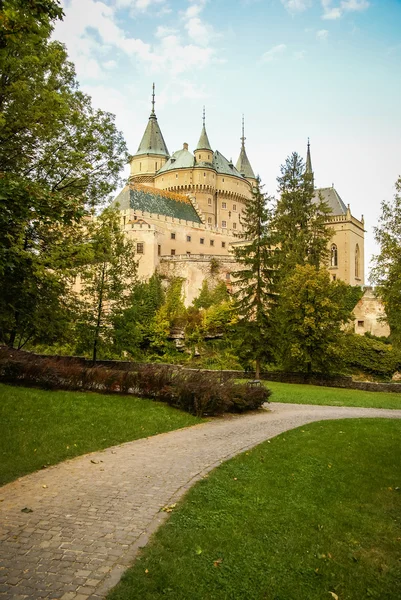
point(153, 100)
point(243, 132)
point(204, 116)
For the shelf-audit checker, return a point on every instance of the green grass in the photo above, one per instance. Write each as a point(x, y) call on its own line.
point(312, 394)
point(40, 427)
point(316, 510)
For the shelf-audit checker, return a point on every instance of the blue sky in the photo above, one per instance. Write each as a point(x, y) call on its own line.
point(327, 69)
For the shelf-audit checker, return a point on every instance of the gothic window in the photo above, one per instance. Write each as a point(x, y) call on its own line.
point(234, 207)
point(202, 240)
point(188, 238)
point(155, 166)
point(209, 201)
point(334, 256)
point(224, 223)
point(223, 244)
point(212, 242)
point(140, 166)
point(234, 225)
point(357, 261)
point(224, 205)
point(139, 248)
point(209, 220)
point(159, 250)
point(172, 252)
point(173, 236)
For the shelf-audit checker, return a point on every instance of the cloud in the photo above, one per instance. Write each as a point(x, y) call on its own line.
point(300, 54)
point(322, 34)
point(91, 29)
point(137, 5)
point(273, 53)
point(110, 64)
point(331, 12)
point(295, 6)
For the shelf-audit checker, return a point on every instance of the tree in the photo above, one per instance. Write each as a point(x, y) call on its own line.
point(106, 278)
point(310, 314)
point(254, 281)
point(57, 157)
point(132, 327)
point(387, 264)
point(299, 219)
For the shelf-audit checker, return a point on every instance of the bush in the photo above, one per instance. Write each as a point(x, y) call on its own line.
point(370, 355)
point(198, 392)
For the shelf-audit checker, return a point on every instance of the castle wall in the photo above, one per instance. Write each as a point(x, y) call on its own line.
point(369, 313)
point(146, 165)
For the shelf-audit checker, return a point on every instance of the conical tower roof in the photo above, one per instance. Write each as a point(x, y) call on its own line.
point(152, 141)
point(308, 168)
point(243, 165)
point(203, 143)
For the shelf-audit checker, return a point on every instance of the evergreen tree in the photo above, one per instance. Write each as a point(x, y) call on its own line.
point(254, 281)
point(387, 264)
point(106, 279)
point(299, 219)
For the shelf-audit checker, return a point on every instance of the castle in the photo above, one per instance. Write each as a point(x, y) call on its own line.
point(183, 211)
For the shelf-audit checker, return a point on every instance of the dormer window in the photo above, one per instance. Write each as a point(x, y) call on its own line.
point(199, 157)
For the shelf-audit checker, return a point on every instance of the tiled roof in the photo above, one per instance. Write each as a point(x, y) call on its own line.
point(182, 159)
point(159, 202)
point(223, 166)
point(332, 198)
point(152, 141)
point(243, 165)
point(204, 143)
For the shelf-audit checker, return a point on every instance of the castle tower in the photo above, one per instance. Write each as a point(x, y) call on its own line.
point(152, 153)
point(243, 165)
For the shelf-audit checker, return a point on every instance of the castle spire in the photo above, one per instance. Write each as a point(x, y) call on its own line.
point(152, 141)
point(309, 169)
point(243, 165)
point(203, 143)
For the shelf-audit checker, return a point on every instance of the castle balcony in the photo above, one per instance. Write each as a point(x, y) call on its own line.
point(196, 257)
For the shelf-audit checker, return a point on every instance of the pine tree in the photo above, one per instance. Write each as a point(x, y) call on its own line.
point(254, 281)
point(300, 219)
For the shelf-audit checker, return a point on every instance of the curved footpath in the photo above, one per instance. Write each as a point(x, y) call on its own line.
point(92, 513)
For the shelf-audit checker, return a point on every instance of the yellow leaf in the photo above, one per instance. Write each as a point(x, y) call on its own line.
point(334, 595)
point(217, 562)
point(146, 571)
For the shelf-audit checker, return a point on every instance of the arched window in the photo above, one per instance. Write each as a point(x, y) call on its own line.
point(357, 261)
point(334, 256)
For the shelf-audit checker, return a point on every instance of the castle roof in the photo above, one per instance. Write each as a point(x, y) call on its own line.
point(155, 201)
point(332, 199)
point(182, 159)
point(223, 166)
point(204, 143)
point(243, 165)
point(152, 141)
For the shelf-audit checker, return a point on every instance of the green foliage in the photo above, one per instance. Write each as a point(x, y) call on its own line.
point(106, 277)
point(299, 222)
point(387, 264)
point(57, 156)
point(370, 355)
point(254, 281)
point(311, 311)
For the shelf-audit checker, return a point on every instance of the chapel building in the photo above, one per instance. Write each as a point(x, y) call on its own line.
point(184, 212)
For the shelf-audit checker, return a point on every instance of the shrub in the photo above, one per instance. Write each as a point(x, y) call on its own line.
point(198, 392)
point(370, 355)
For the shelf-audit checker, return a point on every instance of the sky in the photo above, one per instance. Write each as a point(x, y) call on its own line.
point(329, 70)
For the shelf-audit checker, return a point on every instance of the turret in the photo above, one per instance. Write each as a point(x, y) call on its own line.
point(152, 152)
point(203, 152)
point(243, 165)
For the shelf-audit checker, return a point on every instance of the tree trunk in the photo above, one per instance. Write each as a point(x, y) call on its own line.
point(257, 371)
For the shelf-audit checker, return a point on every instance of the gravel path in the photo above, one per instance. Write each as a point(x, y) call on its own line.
point(91, 514)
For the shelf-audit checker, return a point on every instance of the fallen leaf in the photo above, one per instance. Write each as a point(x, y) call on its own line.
point(169, 508)
point(217, 562)
point(198, 550)
point(94, 462)
point(146, 571)
point(334, 595)
point(26, 510)
point(329, 466)
point(235, 478)
point(44, 486)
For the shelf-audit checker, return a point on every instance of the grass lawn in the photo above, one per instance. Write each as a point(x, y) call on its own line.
point(314, 514)
point(39, 427)
point(314, 394)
